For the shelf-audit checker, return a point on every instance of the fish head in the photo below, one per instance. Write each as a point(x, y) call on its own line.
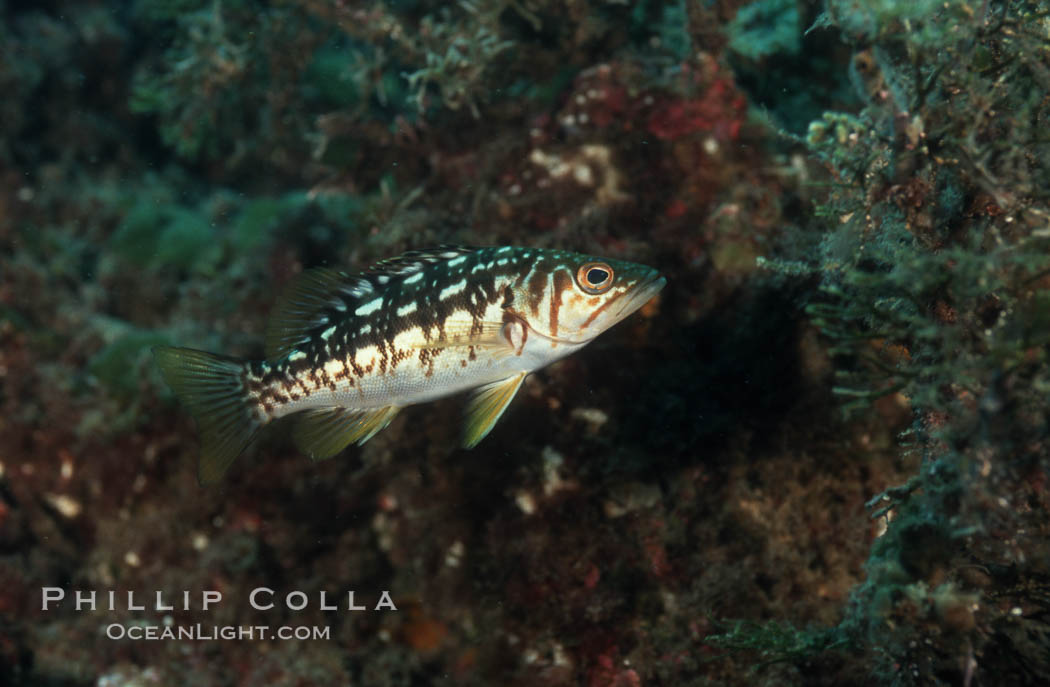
point(572, 298)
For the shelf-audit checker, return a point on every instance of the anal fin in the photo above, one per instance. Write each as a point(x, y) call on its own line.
point(324, 432)
point(486, 406)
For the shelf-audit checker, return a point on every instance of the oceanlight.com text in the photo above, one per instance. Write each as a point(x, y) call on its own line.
point(202, 632)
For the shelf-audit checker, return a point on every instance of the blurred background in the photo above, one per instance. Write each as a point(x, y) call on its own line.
point(820, 457)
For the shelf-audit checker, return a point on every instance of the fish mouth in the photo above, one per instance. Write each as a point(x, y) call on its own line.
point(639, 296)
point(625, 304)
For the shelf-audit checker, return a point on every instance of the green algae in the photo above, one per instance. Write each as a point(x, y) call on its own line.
point(931, 288)
point(766, 28)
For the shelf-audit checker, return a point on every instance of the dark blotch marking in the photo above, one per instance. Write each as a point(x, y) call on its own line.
point(426, 359)
point(358, 372)
point(269, 382)
point(562, 281)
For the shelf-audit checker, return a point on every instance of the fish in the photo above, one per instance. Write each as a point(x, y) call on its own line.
point(346, 352)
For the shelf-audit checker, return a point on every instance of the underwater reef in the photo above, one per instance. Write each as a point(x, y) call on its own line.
point(820, 457)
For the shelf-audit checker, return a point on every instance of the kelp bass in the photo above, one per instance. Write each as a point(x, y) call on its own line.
point(346, 352)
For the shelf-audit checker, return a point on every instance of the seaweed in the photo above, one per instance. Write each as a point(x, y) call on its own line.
point(932, 268)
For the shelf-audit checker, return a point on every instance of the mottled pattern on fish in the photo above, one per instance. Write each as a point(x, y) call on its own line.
point(346, 352)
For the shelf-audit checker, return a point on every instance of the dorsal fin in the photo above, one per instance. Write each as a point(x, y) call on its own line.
point(311, 301)
point(318, 297)
point(415, 260)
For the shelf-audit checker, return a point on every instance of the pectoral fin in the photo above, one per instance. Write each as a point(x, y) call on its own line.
point(325, 432)
point(485, 407)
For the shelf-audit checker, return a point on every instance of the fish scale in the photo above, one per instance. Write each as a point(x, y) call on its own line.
point(346, 352)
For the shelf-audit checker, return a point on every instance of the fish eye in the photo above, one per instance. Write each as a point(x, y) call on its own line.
point(594, 277)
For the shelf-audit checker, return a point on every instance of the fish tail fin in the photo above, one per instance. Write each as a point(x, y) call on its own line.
point(212, 388)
